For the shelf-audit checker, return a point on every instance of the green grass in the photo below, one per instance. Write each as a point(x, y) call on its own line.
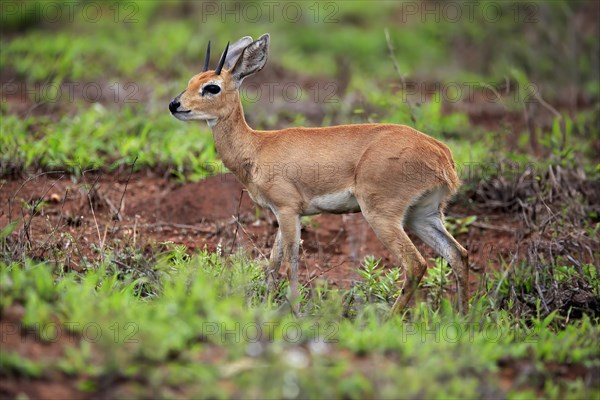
point(100, 138)
point(163, 39)
point(157, 52)
point(217, 308)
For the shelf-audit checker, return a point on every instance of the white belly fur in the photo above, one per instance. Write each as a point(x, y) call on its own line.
point(334, 203)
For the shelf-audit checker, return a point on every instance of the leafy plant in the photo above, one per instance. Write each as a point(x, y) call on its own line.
point(457, 226)
point(436, 278)
point(378, 284)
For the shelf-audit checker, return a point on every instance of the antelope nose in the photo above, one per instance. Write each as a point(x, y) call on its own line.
point(174, 105)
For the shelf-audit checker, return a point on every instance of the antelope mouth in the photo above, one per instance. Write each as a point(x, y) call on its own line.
point(175, 113)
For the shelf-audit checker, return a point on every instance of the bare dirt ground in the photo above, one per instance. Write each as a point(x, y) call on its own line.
point(69, 219)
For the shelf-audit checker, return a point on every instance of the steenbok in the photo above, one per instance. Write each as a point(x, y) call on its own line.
point(395, 175)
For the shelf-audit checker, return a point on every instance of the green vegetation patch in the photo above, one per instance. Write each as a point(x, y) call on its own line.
point(206, 327)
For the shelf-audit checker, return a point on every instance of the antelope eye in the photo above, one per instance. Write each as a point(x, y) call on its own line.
point(212, 89)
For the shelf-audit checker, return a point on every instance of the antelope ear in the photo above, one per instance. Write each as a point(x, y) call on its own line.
point(235, 50)
point(252, 59)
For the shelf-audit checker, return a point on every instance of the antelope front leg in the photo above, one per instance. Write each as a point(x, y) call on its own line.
point(275, 260)
point(289, 226)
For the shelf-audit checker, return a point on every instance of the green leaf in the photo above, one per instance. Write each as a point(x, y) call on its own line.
point(8, 229)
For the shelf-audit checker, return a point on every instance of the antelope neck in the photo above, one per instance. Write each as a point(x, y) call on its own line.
point(234, 140)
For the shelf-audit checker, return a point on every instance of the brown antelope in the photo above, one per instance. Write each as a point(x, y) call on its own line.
point(395, 175)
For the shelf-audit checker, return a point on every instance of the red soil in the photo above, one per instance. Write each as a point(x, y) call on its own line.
point(204, 215)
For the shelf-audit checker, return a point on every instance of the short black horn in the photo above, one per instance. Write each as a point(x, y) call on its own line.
point(222, 60)
point(207, 59)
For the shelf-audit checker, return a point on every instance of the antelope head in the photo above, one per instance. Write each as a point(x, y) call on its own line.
point(213, 94)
